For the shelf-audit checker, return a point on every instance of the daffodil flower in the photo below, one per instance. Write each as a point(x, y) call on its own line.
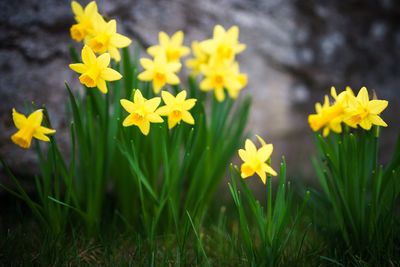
point(84, 18)
point(176, 108)
point(218, 76)
point(106, 39)
point(224, 45)
point(29, 127)
point(170, 46)
point(200, 58)
point(254, 160)
point(141, 111)
point(160, 71)
point(94, 70)
point(365, 112)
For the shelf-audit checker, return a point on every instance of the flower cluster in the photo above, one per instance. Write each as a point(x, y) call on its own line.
point(347, 108)
point(142, 111)
point(163, 68)
point(215, 60)
point(101, 36)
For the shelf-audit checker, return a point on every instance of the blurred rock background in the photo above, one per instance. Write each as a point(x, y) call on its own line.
point(296, 50)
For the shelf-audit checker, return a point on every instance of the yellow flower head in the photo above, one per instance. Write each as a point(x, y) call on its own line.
point(364, 112)
point(176, 108)
point(141, 112)
point(218, 76)
point(170, 46)
point(94, 70)
point(84, 18)
point(200, 58)
point(106, 39)
point(224, 45)
point(160, 71)
point(327, 117)
point(29, 127)
point(254, 160)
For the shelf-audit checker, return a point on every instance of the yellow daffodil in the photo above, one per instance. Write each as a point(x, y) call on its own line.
point(176, 108)
point(200, 58)
point(106, 39)
point(160, 71)
point(141, 112)
point(254, 160)
point(365, 112)
point(327, 117)
point(224, 45)
point(94, 71)
point(241, 78)
point(218, 76)
point(84, 18)
point(29, 127)
point(170, 46)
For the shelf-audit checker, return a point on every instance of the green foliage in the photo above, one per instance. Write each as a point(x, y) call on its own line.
point(266, 230)
point(361, 192)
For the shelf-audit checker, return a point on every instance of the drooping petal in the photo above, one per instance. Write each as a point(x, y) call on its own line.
point(18, 118)
point(366, 124)
point(41, 136)
point(171, 123)
point(114, 53)
point(172, 78)
point(145, 127)
point(262, 176)
point(219, 94)
point(102, 85)
point(268, 169)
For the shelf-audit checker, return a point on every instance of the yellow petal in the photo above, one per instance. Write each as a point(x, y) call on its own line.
point(189, 103)
point(174, 66)
point(172, 78)
point(243, 155)
point(219, 31)
point(262, 142)
point(263, 176)
point(138, 97)
point(168, 98)
point(366, 124)
point(171, 123)
point(18, 118)
point(152, 104)
point(128, 121)
point(76, 8)
point(377, 106)
point(376, 120)
point(145, 76)
point(164, 110)
point(163, 38)
point(109, 74)
point(362, 96)
point(187, 117)
point(35, 118)
point(88, 56)
point(265, 152)
point(181, 96)
point(145, 127)
point(103, 60)
point(39, 135)
point(206, 84)
point(78, 67)
point(120, 41)
point(155, 118)
point(146, 63)
point(246, 170)
point(114, 53)
point(127, 105)
point(177, 38)
point(102, 85)
point(268, 169)
point(46, 130)
point(219, 94)
point(250, 147)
